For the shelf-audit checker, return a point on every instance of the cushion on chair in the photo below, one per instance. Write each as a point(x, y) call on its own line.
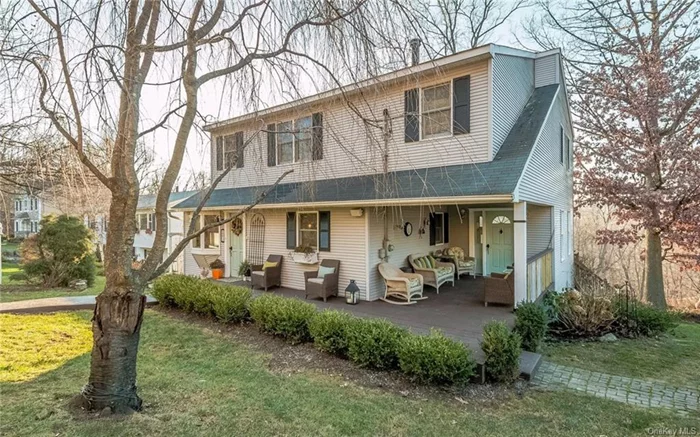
point(419, 262)
point(466, 264)
point(443, 272)
point(316, 280)
point(456, 252)
point(431, 261)
point(414, 283)
point(259, 273)
point(269, 264)
point(323, 271)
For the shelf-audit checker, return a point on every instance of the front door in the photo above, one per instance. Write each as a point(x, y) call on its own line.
point(236, 247)
point(499, 240)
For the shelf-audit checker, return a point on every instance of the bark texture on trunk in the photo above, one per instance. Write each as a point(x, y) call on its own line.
point(654, 291)
point(116, 328)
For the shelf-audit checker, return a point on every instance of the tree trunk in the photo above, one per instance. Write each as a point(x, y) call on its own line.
point(116, 328)
point(654, 290)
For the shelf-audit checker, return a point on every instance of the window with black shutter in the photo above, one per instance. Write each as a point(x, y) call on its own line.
point(240, 151)
point(219, 153)
point(317, 147)
point(324, 231)
point(291, 230)
point(561, 145)
point(411, 118)
point(271, 146)
point(461, 105)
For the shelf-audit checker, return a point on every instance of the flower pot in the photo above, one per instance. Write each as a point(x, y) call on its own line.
point(304, 258)
point(217, 273)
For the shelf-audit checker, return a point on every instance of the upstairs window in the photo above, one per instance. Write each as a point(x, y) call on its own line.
point(436, 110)
point(303, 146)
point(285, 143)
point(295, 140)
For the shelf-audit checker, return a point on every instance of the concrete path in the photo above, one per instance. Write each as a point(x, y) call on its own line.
point(52, 304)
point(632, 391)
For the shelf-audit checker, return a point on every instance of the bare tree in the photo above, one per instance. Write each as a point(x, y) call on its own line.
point(87, 66)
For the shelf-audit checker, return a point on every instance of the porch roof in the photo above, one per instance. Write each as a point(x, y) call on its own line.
point(496, 177)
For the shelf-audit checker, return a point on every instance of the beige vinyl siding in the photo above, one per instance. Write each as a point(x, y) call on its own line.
point(459, 229)
point(546, 181)
point(513, 83)
point(547, 70)
point(539, 229)
point(352, 148)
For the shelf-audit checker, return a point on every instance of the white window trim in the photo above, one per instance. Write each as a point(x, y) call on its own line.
point(298, 225)
point(442, 215)
point(294, 140)
point(570, 229)
point(450, 133)
point(201, 249)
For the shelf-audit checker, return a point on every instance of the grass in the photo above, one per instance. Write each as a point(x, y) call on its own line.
point(198, 382)
point(14, 294)
point(672, 357)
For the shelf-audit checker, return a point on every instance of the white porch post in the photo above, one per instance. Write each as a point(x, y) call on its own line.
point(520, 251)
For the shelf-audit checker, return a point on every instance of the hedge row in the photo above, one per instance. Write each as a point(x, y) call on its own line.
point(372, 343)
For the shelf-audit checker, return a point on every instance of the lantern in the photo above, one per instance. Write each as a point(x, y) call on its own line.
point(352, 293)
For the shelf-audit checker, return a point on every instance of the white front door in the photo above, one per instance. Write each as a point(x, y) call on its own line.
point(499, 240)
point(236, 248)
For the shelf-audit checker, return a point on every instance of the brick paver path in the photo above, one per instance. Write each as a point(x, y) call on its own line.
point(633, 391)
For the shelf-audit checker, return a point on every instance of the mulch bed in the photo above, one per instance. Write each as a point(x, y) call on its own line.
point(287, 359)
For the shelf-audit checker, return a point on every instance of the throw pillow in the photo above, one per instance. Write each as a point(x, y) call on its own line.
point(269, 264)
point(323, 271)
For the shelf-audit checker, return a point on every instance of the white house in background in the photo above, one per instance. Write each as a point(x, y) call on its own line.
point(146, 226)
point(471, 150)
point(29, 210)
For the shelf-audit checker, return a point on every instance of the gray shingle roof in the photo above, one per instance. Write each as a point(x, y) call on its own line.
point(149, 200)
point(499, 176)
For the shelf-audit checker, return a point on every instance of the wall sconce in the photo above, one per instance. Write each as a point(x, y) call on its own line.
point(357, 212)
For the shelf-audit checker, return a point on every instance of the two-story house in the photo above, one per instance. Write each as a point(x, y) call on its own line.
point(146, 226)
point(472, 150)
point(29, 210)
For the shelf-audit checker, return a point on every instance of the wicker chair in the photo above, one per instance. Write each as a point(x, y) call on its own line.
point(326, 286)
point(435, 276)
point(499, 288)
point(269, 277)
point(407, 287)
point(463, 264)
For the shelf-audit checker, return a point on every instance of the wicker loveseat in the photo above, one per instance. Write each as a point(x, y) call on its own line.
point(463, 264)
point(499, 288)
point(435, 273)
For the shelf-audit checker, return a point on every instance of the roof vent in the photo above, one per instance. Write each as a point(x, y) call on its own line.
point(415, 51)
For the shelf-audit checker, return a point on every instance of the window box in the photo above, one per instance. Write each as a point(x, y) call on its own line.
point(304, 258)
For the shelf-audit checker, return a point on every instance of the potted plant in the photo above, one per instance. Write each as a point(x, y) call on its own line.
point(217, 269)
point(304, 255)
point(244, 270)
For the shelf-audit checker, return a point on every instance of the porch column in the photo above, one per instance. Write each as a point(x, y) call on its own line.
point(520, 251)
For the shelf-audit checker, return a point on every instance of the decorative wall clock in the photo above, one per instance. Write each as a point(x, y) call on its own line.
point(407, 229)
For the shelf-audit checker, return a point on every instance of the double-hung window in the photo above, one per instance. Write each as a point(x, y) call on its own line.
point(308, 229)
point(229, 151)
point(285, 143)
point(436, 110)
point(211, 236)
point(303, 146)
point(143, 222)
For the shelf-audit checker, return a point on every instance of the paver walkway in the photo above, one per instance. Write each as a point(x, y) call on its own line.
point(51, 304)
point(633, 391)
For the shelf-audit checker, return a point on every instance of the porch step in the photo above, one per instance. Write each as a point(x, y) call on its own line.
point(529, 363)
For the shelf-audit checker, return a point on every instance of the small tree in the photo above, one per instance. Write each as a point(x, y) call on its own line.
point(61, 252)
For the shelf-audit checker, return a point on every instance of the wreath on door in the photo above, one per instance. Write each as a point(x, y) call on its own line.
point(237, 227)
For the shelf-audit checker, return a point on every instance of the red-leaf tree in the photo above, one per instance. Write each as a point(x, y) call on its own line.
point(636, 101)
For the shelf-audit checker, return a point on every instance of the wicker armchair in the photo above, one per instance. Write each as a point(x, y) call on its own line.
point(463, 264)
point(326, 286)
point(269, 277)
point(407, 287)
point(499, 288)
point(433, 274)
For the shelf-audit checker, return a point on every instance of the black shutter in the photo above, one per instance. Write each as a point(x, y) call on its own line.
point(432, 229)
point(324, 231)
point(271, 146)
point(561, 145)
point(317, 141)
point(411, 128)
point(446, 227)
point(219, 153)
point(461, 97)
point(240, 152)
point(291, 230)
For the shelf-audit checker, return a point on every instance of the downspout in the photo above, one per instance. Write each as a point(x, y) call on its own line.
point(386, 134)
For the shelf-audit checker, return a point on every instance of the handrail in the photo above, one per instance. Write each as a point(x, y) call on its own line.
point(536, 256)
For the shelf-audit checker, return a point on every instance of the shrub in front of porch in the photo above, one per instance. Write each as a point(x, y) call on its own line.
point(329, 330)
point(502, 352)
point(230, 304)
point(172, 290)
point(283, 317)
point(531, 324)
point(436, 359)
point(375, 343)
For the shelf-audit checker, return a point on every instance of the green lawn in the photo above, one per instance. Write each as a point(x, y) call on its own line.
point(12, 291)
point(673, 357)
point(198, 382)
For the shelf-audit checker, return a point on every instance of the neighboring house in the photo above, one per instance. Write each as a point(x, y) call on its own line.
point(146, 227)
point(29, 210)
point(471, 150)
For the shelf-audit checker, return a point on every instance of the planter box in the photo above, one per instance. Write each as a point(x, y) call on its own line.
point(304, 258)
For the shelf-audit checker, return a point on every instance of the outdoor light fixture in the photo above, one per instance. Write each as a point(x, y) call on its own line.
point(352, 293)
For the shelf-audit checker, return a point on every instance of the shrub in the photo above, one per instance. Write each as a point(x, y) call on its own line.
point(172, 290)
point(283, 317)
point(638, 318)
point(502, 352)
point(436, 359)
point(531, 324)
point(583, 314)
point(375, 343)
point(61, 252)
point(230, 304)
point(329, 331)
point(18, 276)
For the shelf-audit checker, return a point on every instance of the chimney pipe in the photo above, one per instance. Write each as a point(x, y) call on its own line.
point(415, 51)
